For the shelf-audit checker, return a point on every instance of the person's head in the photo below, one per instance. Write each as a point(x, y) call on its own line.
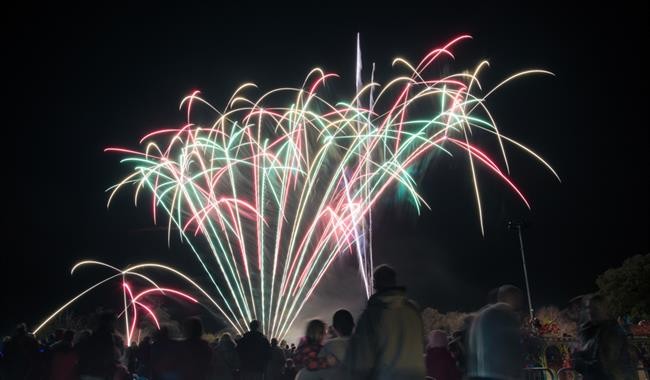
point(21, 330)
point(384, 277)
point(283, 343)
point(81, 336)
point(68, 336)
point(162, 334)
point(106, 321)
point(274, 342)
point(118, 343)
point(58, 334)
point(467, 322)
point(493, 296)
point(574, 309)
point(596, 308)
point(293, 346)
point(315, 331)
point(226, 337)
point(193, 328)
point(254, 325)
point(437, 339)
point(343, 322)
point(511, 295)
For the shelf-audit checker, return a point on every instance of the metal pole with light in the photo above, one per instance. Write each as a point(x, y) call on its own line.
point(520, 226)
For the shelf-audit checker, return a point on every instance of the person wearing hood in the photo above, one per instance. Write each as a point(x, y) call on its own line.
point(388, 340)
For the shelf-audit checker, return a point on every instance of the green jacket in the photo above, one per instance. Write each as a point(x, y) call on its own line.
point(388, 340)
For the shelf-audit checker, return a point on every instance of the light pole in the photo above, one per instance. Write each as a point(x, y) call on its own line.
point(512, 225)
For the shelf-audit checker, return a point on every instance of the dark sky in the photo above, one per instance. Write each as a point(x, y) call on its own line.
point(80, 80)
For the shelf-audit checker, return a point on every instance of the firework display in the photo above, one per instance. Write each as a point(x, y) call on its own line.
point(272, 189)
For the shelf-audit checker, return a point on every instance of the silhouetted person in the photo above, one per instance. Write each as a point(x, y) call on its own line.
point(289, 372)
point(132, 357)
point(20, 354)
point(439, 362)
point(459, 343)
point(276, 362)
point(604, 352)
point(164, 356)
point(285, 348)
point(495, 350)
point(144, 357)
point(388, 340)
point(196, 352)
point(226, 358)
point(63, 358)
point(254, 352)
point(99, 354)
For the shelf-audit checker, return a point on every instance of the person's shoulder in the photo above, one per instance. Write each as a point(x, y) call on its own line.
point(413, 305)
point(612, 330)
point(497, 309)
point(205, 346)
point(335, 341)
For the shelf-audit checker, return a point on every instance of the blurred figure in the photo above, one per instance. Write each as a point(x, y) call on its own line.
point(495, 350)
point(342, 326)
point(144, 358)
point(254, 352)
point(439, 362)
point(63, 359)
point(493, 296)
point(226, 359)
point(459, 343)
point(20, 354)
point(306, 357)
point(289, 372)
point(387, 343)
point(197, 354)
point(604, 352)
point(335, 348)
point(131, 357)
point(164, 356)
point(511, 296)
point(99, 354)
point(276, 362)
point(285, 348)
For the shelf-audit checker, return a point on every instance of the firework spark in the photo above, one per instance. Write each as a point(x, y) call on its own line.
point(132, 300)
point(267, 195)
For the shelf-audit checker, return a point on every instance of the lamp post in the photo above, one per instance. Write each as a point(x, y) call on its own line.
point(519, 226)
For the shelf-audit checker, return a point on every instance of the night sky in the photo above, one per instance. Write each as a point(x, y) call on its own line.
point(81, 80)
